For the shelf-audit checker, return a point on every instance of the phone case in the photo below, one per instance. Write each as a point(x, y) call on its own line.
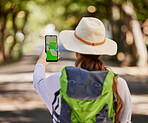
point(51, 47)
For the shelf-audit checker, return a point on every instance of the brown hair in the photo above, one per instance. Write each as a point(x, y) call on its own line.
point(94, 63)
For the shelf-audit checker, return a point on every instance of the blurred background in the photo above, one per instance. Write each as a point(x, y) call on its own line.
point(23, 26)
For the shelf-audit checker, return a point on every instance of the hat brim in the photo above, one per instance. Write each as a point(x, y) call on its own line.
point(70, 42)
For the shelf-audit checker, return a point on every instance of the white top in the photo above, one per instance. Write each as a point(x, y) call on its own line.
point(47, 87)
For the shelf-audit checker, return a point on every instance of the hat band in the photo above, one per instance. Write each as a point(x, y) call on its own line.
point(86, 42)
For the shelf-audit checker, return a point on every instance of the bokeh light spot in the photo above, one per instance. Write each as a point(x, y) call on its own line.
point(10, 39)
point(120, 56)
point(21, 14)
point(129, 38)
point(19, 36)
point(124, 28)
point(115, 13)
point(72, 20)
point(91, 9)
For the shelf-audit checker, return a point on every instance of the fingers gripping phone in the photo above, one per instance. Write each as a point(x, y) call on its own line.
point(51, 48)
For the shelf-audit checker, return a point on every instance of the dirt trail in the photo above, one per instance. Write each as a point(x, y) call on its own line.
point(19, 103)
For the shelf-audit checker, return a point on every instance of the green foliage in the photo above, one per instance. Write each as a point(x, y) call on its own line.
point(65, 14)
point(140, 7)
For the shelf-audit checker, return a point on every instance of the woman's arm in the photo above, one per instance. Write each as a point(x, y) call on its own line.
point(45, 87)
point(39, 72)
point(123, 90)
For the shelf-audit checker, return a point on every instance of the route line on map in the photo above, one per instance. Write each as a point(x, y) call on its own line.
point(51, 47)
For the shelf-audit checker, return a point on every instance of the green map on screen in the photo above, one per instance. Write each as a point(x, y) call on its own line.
point(51, 48)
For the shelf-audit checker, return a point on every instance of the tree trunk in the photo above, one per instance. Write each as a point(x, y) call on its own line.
point(15, 31)
point(2, 33)
point(137, 34)
point(139, 42)
point(21, 45)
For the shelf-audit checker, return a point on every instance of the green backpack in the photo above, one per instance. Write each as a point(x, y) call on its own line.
point(86, 97)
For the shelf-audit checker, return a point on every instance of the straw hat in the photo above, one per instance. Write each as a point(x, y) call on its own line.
point(88, 38)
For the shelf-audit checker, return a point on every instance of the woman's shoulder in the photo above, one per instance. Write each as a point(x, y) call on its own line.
point(52, 82)
point(122, 84)
point(55, 75)
point(121, 80)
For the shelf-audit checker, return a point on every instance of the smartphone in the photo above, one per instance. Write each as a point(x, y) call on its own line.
point(51, 47)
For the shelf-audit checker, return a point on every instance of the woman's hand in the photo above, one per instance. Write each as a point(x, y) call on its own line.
point(42, 58)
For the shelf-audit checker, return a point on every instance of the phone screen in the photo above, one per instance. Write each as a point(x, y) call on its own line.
point(51, 48)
